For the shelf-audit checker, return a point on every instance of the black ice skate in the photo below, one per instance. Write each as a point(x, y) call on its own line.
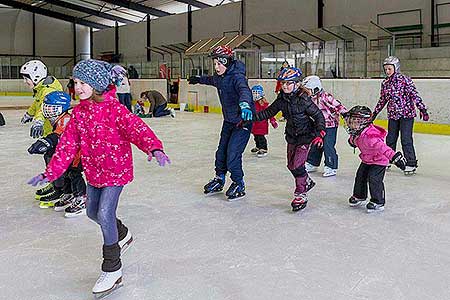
point(47, 189)
point(49, 200)
point(236, 191)
point(353, 201)
point(374, 207)
point(300, 201)
point(64, 202)
point(215, 185)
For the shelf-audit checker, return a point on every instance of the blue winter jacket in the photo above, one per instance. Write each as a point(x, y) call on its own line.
point(233, 89)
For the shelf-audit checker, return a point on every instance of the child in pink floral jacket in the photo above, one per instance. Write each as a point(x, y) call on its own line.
point(103, 130)
point(331, 109)
point(400, 94)
point(375, 156)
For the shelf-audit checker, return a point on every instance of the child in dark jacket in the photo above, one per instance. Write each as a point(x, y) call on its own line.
point(375, 156)
point(400, 94)
point(70, 189)
point(305, 125)
point(261, 128)
point(237, 109)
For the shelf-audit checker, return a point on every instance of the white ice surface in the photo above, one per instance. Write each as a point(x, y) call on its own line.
point(188, 246)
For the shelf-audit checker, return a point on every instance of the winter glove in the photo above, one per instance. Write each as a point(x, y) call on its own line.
point(194, 79)
point(38, 180)
point(246, 113)
point(160, 156)
point(399, 161)
point(37, 129)
point(274, 124)
point(40, 146)
point(318, 141)
point(424, 115)
point(26, 118)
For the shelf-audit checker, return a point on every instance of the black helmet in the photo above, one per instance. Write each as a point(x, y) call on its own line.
point(357, 119)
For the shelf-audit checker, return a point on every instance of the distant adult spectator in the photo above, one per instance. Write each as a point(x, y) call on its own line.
point(132, 72)
point(158, 104)
point(124, 92)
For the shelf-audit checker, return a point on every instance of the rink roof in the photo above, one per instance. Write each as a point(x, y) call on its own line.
point(104, 14)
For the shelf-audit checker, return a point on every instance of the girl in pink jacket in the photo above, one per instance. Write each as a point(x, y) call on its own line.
point(103, 130)
point(375, 156)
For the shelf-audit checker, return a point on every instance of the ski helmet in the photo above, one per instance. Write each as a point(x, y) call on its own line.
point(223, 54)
point(357, 119)
point(257, 92)
point(313, 83)
point(55, 103)
point(35, 70)
point(392, 60)
point(290, 74)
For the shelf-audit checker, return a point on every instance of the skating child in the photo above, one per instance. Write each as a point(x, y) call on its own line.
point(70, 188)
point(399, 93)
point(375, 156)
point(331, 110)
point(138, 108)
point(305, 125)
point(261, 128)
point(237, 109)
point(103, 130)
point(35, 76)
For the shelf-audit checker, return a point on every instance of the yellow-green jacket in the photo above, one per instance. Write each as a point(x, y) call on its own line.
point(44, 87)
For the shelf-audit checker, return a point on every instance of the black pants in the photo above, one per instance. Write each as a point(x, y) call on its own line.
point(374, 175)
point(261, 142)
point(233, 140)
point(405, 128)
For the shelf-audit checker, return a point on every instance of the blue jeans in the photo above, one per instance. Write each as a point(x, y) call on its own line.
point(161, 111)
point(125, 99)
point(233, 140)
point(329, 150)
point(101, 207)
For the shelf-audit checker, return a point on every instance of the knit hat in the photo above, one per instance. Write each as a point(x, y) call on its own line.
point(98, 74)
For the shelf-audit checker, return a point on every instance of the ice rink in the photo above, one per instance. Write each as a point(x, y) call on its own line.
point(188, 246)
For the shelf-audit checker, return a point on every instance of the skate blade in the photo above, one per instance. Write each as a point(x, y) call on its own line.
point(126, 246)
point(61, 208)
point(356, 204)
point(371, 211)
point(212, 193)
point(410, 173)
point(73, 215)
point(105, 294)
point(236, 199)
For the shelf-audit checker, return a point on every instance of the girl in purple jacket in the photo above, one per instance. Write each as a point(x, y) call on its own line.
point(399, 93)
point(375, 156)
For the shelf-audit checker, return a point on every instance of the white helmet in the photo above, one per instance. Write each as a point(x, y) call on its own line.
point(312, 83)
point(35, 70)
point(392, 60)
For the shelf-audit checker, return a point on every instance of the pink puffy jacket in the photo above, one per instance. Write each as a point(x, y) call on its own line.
point(103, 132)
point(374, 150)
